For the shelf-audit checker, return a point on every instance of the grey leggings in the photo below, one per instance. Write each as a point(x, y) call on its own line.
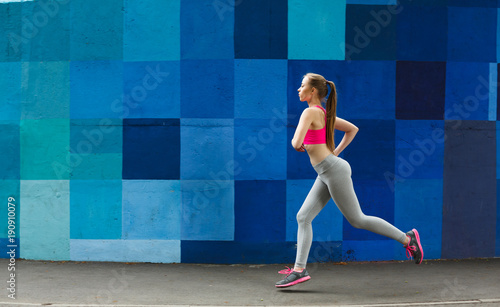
point(334, 181)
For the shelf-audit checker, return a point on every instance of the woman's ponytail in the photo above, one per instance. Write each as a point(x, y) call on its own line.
point(331, 115)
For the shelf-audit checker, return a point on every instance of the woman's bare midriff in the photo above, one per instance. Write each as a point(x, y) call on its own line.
point(317, 152)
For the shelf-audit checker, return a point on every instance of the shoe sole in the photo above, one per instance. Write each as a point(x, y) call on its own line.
point(293, 283)
point(419, 246)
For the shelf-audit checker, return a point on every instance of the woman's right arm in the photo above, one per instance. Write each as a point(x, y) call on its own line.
point(350, 132)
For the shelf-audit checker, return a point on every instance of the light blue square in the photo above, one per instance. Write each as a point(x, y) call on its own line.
point(207, 210)
point(327, 226)
point(207, 149)
point(260, 149)
point(419, 149)
point(96, 209)
point(97, 89)
point(419, 205)
point(316, 32)
point(45, 90)
point(260, 88)
point(208, 33)
point(45, 220)
point(10, 90)
point(151, 209)
point(151, 89)
point(155, 251)
point(467, 91)
point(96, 30)
point(152, 30)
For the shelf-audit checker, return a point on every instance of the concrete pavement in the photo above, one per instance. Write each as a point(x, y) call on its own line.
point(433, 283)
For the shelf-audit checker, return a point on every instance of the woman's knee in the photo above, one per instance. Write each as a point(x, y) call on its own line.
point(302, 217)
point(357, 222)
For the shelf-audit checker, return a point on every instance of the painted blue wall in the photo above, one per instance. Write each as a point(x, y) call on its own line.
point(159, 131)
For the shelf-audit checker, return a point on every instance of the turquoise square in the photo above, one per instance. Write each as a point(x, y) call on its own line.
point(96, 30)
point(45, 220)
point(45, 90)
point(10, 90)
point(159, 214)
point(96, 209)
point(419, 205)
point(207, 210)
point(13, 39)
point(152, 30)
point(9, 138)
point(316, 32)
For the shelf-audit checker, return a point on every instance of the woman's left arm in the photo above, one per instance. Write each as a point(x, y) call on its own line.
point(350, 132)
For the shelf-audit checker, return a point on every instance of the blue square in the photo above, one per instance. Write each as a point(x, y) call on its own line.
point(368, 250)
point(11, 192)
point(255, 220)
point(97, 89)
point(14, 40)
point(96, 209)
point(261, 29)
point(151, 209)
point(370, 32)
point(375, 199)
point(10, 90)
point(497, 240)
point(472, 3)
point(208, 34)
point(207, 89)
point(298, 163)
point(151, 149)
point(419, 204)
point(207, 210)
point(309, 25)
point(260, 149)
point(251, 100)
point(10, 164)
point(96, 30)
point(472, 34)
point(378, 136)
point(207, 149)
point(419, 149)
point(422, 41)
point(50, 40)
point(152, 89)
point(420, 90)
point(467, 91)
point(327, 226)
point(46, 90)
point(152, 30)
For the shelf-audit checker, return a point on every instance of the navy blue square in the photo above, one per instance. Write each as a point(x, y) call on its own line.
point(422, 41)
point(261, 29)
point(420, 90)
point(151, 149)
point(207, 88)
point(255, 219)
point(370, 33)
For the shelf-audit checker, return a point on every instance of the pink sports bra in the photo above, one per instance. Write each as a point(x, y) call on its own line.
point(317, 136)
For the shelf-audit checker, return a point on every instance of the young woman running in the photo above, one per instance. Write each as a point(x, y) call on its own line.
point(314, 134)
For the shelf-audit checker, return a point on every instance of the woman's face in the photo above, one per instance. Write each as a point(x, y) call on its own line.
point(305, 90)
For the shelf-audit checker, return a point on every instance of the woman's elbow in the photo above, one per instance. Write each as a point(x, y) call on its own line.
point(296, 145)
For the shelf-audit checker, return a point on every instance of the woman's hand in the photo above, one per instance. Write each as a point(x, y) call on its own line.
point(335, 152)
point(301, 148)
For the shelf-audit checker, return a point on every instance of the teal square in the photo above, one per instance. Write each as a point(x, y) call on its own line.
point(10, 90)
point(96, 30)
point(45, 149)
point(13, 38)
point(316, 32)
point(10, 156)
point(49, 23)
point(152, 30)
point(96, 209)
point(158, 216)
point(45, 90)
point(45, 220)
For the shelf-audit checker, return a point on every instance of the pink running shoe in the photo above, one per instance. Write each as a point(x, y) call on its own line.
point(292, 278)
point(414, 248)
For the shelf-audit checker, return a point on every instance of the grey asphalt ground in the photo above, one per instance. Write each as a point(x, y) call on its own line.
point(433, 283)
